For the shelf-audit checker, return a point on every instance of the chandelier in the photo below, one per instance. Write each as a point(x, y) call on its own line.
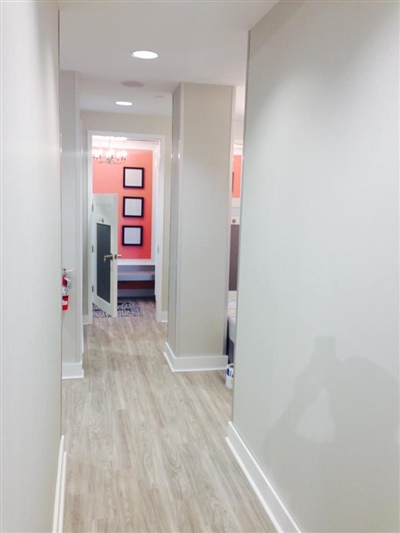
point(111, 156)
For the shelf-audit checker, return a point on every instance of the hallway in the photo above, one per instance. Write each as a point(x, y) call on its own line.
point(146, 447)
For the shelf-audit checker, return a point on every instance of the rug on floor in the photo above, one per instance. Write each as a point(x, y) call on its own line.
point(123, 308)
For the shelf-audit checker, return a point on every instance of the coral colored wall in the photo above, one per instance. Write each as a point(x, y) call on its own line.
point(237, 176)
point(109, 179)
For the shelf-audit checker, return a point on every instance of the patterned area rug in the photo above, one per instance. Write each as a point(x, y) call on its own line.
point(124, 309)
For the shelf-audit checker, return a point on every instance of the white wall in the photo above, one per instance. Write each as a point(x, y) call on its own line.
point(71, 196)
point(130, 124)
point(30, 279)
point(317, 361)
point(200, 205)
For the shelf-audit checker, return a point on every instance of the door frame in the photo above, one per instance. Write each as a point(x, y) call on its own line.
point(158, 210)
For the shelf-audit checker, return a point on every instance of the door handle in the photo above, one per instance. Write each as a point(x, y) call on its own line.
point(117, 255)
point(109, 256)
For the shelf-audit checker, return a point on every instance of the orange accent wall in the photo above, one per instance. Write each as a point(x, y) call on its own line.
point(109, 179)
point(237, 176)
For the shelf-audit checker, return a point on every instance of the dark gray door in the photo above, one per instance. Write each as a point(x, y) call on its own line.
point(234, 252)
point(103, 261)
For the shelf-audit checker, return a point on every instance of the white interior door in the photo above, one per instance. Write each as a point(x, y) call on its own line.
point(105, 207)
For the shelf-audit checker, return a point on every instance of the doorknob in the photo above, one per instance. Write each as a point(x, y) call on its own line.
point(117, 255)
point(110, 257)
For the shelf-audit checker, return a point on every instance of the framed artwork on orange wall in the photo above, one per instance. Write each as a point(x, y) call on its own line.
point(134, 177)
point(133, 206)
point(132, 235)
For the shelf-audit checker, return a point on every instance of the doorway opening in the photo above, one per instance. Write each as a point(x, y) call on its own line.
point(134, 261)
point(234, 250)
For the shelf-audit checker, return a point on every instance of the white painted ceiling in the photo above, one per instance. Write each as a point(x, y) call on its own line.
point(200, 41)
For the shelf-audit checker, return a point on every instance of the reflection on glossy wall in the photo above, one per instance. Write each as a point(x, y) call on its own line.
point(316, 396)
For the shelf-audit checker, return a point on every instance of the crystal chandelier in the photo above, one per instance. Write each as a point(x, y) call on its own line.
point(111, 156)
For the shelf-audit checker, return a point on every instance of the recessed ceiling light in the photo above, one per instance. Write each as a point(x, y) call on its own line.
point(123, 103)
point(144, 54)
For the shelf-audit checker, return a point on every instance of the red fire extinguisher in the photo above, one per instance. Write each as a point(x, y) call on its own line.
point(65, 299)
point(66, 284)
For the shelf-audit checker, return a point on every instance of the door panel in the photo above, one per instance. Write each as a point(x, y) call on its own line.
point(105, 246)
point(103, 266)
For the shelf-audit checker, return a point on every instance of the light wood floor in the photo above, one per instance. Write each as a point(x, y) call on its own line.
point(146, 447)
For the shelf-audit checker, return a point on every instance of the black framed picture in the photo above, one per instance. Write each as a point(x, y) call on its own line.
point(133, 206)
point(132, 235)
point(133, 177)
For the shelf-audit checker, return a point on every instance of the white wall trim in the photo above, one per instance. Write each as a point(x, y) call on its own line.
point(161, 316)
point(72, 371)
point(58, 514)
point(86, 320)
point(134, 262)
point(273, 505)
point(83, 340)
point(194, 363)
point(236, 202)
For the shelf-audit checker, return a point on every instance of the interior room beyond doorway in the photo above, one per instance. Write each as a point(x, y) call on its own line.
point(135, 181)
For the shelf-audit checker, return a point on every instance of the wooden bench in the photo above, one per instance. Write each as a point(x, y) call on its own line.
point(136, 280)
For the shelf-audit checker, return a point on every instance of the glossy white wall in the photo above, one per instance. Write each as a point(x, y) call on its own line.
point(71, 205)
point(200, 207)
point(317, 360)
point(30, 279)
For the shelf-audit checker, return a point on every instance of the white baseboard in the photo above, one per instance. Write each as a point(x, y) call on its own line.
point(72, 371)
point(58, 514)
point(87, 320)
point(265, 492)
point(199, 363)
point(161, 316)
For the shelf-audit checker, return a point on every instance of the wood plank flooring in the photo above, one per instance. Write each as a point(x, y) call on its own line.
point(146, 447)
